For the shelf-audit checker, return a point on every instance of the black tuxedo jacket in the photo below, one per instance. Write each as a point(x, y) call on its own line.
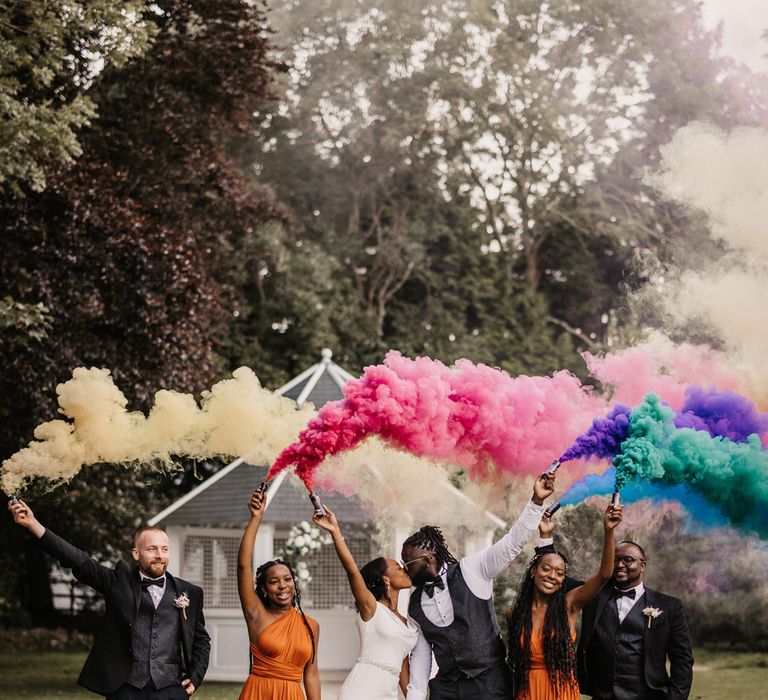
point(667, 637)
point(109, 661)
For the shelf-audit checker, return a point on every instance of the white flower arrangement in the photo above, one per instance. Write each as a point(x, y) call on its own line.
point(651, 614)
point(304, 540)
point(182, 602)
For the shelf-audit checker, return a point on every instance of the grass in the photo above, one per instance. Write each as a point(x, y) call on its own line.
point(49, 675)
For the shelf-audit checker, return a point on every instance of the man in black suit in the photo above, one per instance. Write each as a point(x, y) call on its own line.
point(627, 634)
point(152, 643)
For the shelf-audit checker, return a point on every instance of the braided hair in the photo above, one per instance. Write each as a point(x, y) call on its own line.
point(559, 653)
point(261, 580)
point(430, 539)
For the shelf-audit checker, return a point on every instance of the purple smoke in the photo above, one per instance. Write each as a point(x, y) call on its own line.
point(604, 437)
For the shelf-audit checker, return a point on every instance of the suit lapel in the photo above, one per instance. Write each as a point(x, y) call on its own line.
point(136, 588)
point(602, 600)
point(650, 602)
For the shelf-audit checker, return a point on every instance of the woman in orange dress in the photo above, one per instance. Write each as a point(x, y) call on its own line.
point(542, 622)
point(283, 640)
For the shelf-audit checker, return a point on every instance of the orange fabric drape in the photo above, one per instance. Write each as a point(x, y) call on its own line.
point(279, 657)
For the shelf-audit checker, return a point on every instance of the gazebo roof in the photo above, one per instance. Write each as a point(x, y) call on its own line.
point(220, 501)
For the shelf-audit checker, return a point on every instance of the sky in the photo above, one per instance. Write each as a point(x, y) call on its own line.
point(743, 23)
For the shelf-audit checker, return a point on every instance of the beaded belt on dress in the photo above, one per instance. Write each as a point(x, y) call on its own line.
point(384, 667)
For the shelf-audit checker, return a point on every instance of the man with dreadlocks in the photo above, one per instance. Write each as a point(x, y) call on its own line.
point(453, 605)
point(283, 640)
point(542, 621)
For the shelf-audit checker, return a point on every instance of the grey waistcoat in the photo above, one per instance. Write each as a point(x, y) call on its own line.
point(471, 644)
point(155, 639)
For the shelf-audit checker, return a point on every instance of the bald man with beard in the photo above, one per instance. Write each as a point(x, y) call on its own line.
point(152, 643)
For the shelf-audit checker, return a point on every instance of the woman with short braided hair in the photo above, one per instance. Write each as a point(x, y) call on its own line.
point(283, 640)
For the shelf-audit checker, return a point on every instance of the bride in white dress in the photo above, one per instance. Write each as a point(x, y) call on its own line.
point(386, 636)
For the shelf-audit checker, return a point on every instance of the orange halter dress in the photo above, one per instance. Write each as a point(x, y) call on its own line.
point(539, 687)
point(279, 657)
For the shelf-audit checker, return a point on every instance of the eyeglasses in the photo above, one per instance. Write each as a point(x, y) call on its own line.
point(406, 564)
point(627, 561)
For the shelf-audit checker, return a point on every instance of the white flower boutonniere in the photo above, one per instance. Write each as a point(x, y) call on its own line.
point(182, 602)
point(651, 614)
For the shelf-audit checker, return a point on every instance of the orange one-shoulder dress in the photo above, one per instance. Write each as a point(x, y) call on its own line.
point(279, 657)
point(539, 686)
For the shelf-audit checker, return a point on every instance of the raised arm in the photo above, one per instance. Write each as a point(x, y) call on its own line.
point(84, 568)
point(578, 597)
point(490, 562)
point(249, 601)
point(366, 603)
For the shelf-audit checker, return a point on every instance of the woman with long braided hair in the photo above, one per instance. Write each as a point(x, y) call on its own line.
point(542, 621)
point(283, 640)
point(386, 636)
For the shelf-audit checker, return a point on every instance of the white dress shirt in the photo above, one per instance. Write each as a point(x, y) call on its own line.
point(155, 592)
point(625, 603)
point(478, 570)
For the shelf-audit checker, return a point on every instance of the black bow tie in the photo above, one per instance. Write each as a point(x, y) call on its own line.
point(429, 586)
point(631, 593)
point(147, 582)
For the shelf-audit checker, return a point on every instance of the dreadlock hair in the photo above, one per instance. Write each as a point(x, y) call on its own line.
point(261, 580)
point(559, 653)
point(430, 539)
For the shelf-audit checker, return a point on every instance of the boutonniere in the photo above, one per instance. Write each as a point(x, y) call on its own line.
point(651, 614)
point(182, 603)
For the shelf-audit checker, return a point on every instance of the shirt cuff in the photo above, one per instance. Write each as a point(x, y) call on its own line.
point(414, 694)
point(545, 542)
point(531, 515)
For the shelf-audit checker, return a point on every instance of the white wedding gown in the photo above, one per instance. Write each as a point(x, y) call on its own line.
point(385, 640)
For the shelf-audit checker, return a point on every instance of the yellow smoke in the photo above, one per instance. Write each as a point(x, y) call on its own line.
point(726, 176)
point(236, 418)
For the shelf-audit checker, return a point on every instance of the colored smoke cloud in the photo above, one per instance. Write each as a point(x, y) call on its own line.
point(237, 417)
point(663, 367)
point(472, 416)
point(731, 476)
point(726, 176)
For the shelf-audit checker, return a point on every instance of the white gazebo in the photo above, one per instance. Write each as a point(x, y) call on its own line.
point(205, 527)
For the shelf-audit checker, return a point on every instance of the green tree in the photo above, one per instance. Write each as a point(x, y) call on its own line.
point(126, 248)
point(49, 54)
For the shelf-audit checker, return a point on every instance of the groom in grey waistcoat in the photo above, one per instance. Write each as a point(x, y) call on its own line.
point(152, 643)
point(453, 605)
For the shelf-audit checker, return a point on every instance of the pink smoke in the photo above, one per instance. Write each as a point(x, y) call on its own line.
point(662, 368)
point(470, 415)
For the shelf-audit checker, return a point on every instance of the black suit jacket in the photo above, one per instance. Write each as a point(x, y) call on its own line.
point(667, 637)
point(109, 661)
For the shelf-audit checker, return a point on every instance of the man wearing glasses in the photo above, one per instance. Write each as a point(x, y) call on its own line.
point(628, 632)
point(453, 605)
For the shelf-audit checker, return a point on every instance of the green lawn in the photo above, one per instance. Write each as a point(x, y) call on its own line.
point(718, 676)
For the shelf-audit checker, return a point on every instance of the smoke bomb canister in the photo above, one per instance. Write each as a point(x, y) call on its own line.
point(14, 501)
point(262, 488)
point(317, 503)
point(554, 466)
point(551, 511)
point(615, 499)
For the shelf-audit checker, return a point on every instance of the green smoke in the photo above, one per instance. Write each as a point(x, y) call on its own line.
point(732, 476)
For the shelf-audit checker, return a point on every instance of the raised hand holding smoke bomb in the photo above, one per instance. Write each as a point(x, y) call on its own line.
point(258, 501)
point(317, 503)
